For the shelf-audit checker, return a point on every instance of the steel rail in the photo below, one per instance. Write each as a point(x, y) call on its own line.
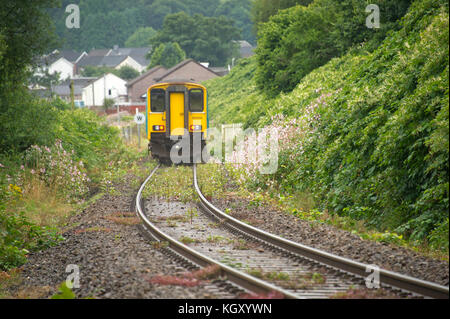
point(237, 277)
point(389, 278)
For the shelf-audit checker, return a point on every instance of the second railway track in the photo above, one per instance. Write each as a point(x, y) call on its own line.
point(260, 262)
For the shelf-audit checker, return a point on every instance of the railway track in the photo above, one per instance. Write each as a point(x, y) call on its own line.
point(260, 262)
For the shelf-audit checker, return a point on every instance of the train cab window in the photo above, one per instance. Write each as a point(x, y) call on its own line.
point(158, 100)
point(196, 100)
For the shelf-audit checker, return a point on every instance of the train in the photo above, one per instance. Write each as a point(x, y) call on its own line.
point(177, 121)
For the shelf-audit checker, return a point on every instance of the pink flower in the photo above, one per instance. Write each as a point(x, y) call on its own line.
point(33, 171)
point(1, 165)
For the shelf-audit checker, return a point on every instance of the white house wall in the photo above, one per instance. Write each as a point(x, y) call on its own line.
point(129, 61)
point(110, 87)
point(62, 66)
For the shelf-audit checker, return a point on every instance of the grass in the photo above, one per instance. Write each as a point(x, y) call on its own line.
point(188, 240)
point(274, 275)
point(173, 184)
point(41, 206)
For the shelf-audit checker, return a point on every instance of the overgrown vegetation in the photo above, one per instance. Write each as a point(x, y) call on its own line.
point(52, 157)
point(366, 135)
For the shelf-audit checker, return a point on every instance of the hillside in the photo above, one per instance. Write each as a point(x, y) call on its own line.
point(367, 133)
point(104, 24)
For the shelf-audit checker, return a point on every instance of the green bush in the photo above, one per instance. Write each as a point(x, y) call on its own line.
point(18, 237)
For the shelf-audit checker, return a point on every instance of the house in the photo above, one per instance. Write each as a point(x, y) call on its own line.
point(108, 86)
point(137, 88)
point(62, 62)
point(246, 49)
point(115, 62)
point(64, 92)
point(116, 58)
point(188, 70)
point(138, 54)
point(221, 71)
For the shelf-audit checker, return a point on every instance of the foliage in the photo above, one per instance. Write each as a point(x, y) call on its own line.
point(18, 237)
point(300, 39)
point(46, 80)
point(64, 293)
point(240, 12)
point(127, 73)
point(26, 121)
point(370, 129)
point(108, 103)
point(167, 55)
point(140, 38)
point(262, 10)
point(25, 31)
point(55, 166)
point(202, 38)
point(107, 23)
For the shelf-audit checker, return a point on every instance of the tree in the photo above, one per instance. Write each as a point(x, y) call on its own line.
point(127, 73)
point(46, 80)
point(140, 38)
point(25, 33)
point(167, 55)
point(300, 39)
point(262, 10)
point(240, 12)
point(206, 39)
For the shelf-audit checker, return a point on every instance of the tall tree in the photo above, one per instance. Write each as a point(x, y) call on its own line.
point(25, 33)
point(206, 39)
point(167, 55)
point(262, 10)
point(140, 38)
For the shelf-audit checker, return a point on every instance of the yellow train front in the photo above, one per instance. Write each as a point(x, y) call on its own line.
point(177, 114)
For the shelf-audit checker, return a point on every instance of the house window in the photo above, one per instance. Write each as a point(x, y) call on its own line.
point(158, 100)
point(196, 100)
point(109, 92)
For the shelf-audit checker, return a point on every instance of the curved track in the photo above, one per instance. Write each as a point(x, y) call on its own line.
point(334, 264)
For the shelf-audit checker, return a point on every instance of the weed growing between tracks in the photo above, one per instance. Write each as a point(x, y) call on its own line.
point(173, 184)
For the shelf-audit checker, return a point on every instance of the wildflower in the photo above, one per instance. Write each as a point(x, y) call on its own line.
point(1, 165)
point(33, 171)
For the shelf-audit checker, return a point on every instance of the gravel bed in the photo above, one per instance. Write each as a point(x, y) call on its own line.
point(338, 242)
point(115, 260)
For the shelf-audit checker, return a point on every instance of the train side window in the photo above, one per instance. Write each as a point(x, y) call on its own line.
point(158, 100)
point(196, 100)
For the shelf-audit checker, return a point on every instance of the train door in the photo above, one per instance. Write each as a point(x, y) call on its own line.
point(177, 114)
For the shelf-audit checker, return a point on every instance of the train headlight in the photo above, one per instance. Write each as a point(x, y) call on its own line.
point(196, 128)
point(158, 128)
